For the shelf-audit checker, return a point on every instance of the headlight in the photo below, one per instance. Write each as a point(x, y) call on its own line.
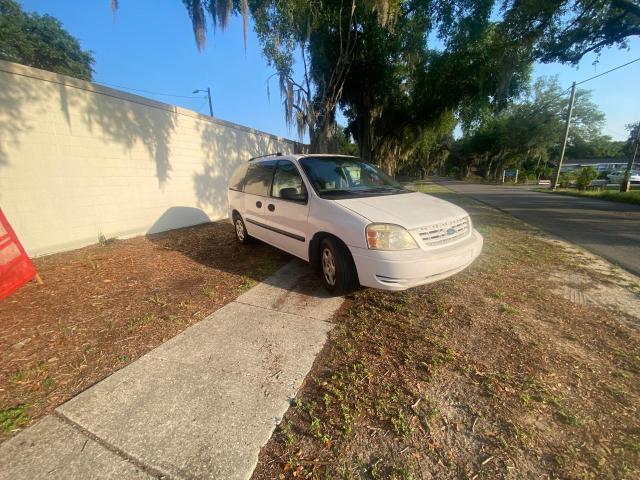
point(386, 236)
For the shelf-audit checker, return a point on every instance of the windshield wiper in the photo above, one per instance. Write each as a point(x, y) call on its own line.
point(383, 189)
point(336, 192)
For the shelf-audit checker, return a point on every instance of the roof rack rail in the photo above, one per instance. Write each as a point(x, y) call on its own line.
point(277, 154)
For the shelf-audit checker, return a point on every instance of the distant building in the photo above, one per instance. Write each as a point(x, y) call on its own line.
point(600, 164)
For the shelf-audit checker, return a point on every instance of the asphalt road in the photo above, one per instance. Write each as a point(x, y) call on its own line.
point(609, 229)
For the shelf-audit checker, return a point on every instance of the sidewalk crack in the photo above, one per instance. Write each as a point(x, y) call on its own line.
point(149, 470)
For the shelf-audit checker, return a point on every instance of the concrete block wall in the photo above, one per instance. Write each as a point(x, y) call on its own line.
point(78, 160)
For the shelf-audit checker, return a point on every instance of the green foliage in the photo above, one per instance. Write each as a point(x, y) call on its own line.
point(343, 144)
point(633, 140)
point(377, 61)
point(632, 196)
point(41, 41)
point(585, 177)
point(566, 30)
point(566, 179)
point(527, 133)
point(599, 146)
point(12, 418)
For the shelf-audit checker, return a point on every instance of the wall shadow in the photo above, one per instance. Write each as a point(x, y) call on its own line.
point(14, 94)
point(44, 117)
point(128, 123)
point(178, 217)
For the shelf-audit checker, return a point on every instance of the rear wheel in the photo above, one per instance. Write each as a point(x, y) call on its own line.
point(337, 269)
point(241, 231)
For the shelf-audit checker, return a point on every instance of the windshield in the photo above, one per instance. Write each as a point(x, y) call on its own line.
point(348, 177)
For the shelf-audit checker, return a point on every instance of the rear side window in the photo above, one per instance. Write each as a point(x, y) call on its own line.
point(287, 176)
point(237, 179)
point(258, 178)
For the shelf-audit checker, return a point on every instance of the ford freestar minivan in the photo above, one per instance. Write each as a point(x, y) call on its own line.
point(351, 221)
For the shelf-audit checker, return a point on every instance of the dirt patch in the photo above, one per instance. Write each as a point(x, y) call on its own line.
point(598, 282)
point(103, 306)
point(490, 374)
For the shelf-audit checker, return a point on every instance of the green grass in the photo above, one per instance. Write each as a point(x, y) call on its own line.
point(426, 186)
point(13, 417)
point(612, 195)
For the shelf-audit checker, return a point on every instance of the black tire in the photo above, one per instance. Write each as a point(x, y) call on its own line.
point(343, 277)
point(242, 235)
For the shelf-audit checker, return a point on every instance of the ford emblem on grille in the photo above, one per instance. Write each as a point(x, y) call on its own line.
point(451, 231)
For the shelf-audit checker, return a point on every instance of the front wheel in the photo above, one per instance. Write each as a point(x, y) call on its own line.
point(241, 231)
point(338, 271)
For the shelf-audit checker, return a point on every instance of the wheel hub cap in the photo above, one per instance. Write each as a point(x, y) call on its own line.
point(328, 267)
point(239, 230)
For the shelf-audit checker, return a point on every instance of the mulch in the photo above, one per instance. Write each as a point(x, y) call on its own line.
point(103, 306)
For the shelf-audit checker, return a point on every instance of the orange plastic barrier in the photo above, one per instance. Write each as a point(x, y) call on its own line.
point(15, 267)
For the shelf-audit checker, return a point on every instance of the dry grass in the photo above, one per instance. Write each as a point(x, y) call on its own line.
point(489, 374)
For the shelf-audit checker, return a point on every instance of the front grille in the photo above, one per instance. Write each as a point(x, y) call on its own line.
point(445, 232)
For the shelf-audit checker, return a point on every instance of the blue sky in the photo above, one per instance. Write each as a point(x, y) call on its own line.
point(149, 46)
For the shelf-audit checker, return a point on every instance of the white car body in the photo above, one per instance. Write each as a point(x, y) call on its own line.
point(445, 239)
point(618, 176)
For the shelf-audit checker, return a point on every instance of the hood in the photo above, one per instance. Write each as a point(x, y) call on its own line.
point(410, 210)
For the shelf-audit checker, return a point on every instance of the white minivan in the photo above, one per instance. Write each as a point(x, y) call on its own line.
point(354, 223)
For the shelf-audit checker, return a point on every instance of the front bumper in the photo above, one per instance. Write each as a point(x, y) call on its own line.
point(409, 268)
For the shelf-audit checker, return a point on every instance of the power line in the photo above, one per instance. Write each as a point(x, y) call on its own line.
point(146, 91)
point(563, 93)
point(608, 71)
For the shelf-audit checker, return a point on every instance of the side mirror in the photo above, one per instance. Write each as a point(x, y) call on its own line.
point(293, 195)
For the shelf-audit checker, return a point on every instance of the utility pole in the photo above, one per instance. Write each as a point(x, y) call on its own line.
point(210, 105)
point(208, 92)
point(566, 136)
point(626, 185)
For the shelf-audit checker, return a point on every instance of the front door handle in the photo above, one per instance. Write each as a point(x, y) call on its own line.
point(259, 204)
point(271, 207)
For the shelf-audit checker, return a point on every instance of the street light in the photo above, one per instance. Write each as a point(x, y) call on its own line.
point(208, 92)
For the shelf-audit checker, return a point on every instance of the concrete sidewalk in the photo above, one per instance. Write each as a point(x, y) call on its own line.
point(199, 406)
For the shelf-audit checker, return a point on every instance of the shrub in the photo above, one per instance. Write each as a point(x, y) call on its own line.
point(585, 177)
point(565, 179)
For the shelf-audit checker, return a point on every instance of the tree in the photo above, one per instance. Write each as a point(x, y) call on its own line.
point(371, 58)
point(632, 140)
point(566, 30)
point(432, 147)
point(41, 41)
point(585, 177)
point(632, 146)
point(528, 132)
point(600, 146)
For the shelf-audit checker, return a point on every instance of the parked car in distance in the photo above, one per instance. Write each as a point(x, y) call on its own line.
point(354, 223)
point(617, 176)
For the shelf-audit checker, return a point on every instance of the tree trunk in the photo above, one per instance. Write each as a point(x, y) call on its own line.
point(323, 135)
point(365, 133)
point(487, 172)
